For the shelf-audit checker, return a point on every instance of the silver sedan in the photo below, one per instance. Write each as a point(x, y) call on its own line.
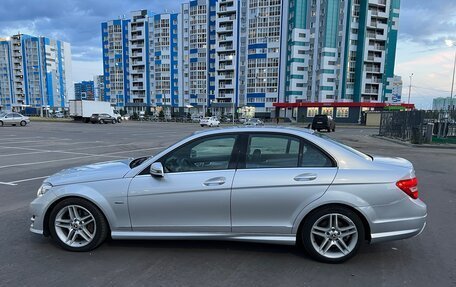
point(274, 185)
point(13, 119)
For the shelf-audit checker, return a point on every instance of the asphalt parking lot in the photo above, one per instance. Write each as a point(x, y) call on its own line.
point(29, 154)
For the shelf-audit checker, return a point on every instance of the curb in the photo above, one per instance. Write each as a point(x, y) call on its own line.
point(437, 146)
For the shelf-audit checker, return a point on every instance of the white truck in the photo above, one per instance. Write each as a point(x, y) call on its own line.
point(81, 110)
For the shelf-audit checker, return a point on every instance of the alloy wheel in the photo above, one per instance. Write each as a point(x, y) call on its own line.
point(334, 235)
point(75, 226)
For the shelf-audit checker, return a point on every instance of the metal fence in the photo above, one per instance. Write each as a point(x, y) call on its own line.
point(412, 125)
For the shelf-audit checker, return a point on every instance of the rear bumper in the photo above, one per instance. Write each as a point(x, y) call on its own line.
point(414, 227)
point(403, 219)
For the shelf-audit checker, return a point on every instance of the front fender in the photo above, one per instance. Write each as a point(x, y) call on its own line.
point(110, 196)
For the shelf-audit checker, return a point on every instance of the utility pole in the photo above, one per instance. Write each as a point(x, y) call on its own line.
point(451, 105)
point(410, 88)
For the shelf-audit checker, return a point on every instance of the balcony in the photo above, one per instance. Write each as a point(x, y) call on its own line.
point(372, 70)
point(371, 91)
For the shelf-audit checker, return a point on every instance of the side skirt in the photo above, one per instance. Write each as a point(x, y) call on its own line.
point(283, 239)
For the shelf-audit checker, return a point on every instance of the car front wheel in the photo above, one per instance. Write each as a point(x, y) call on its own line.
point(332, 234)
point(23, 123)
point(77, 225)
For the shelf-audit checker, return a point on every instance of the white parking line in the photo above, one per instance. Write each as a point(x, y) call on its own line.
point(25, 153)
point(49, 161)
point(132, 150)
point(7, 183)
point(28, 179)
point(84, 155)
point(37, 142)
point(6, 140)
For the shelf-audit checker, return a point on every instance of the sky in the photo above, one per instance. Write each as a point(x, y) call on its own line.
point(424, 26)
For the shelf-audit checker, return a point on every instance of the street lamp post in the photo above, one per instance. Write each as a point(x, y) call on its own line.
point(233, 111)
point(451, 105)
point(410, 88)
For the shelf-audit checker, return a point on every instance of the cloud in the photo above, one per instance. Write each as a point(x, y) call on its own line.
point(427, 22)
point(76, 22)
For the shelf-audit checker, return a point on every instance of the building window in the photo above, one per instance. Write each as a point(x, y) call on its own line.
point(342, 112)
point(311, 112)
point(327, 111)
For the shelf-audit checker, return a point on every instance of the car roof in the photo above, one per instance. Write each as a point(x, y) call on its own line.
point(266, 128)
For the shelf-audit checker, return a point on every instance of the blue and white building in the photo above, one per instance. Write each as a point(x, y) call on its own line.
point(116, 62)
point(164, 61)
point(35, 72)
point(84, 90)
point(225, 54)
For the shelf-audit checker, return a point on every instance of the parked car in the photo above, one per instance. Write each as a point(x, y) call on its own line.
point(253, 122)
point(13, 119)
point(196, 118)
point(58, 115)
point(209, 122)
point(125, 117)
point(276, 185)
point(323, 122)
point(102, 119)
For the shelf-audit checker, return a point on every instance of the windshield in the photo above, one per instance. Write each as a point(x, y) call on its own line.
point(357, 152)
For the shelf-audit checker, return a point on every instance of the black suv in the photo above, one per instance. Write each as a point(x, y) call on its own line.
point(323, 122)
point(102, 119)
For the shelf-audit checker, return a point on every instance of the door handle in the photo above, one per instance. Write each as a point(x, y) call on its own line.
point(306, 177)
point(215, 181)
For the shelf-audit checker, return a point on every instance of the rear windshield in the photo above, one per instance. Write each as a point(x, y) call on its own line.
point(346, 147)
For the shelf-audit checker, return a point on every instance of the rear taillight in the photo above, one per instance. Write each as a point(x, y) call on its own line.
point(409, 186)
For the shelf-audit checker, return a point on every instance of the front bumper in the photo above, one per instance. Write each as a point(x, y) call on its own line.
point(38, 208)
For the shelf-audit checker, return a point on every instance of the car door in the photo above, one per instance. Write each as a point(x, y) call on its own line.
point(278, 175)
point(194, 193)
point(9, 119)
point(17, 118)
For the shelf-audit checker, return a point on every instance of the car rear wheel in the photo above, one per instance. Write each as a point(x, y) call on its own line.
point(77, 225)
point(102, 122)
point(113, 121)
point(23, 123)
point(1, 124)
point(332, 234)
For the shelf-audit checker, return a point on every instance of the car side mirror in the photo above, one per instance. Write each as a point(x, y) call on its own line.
point(156, 169)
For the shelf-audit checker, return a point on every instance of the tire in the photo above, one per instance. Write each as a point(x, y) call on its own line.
point(202, 126)
point(102, 122)
point(113, 121)
point(334, 129)
point(318, 130)
point(23, 123)
point(74, 234)
point(1, 124)
point(119, 120)
point(325, 241)
point(329, 130)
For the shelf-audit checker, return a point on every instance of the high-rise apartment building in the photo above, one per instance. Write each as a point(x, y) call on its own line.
point(116, 61)
point(341, 50)
point(164, 61)
point(84, 90)
point(35, 72)
point(98, 82)
point(225, 54)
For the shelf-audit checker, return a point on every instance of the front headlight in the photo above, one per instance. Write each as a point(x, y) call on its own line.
point(43, 189)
